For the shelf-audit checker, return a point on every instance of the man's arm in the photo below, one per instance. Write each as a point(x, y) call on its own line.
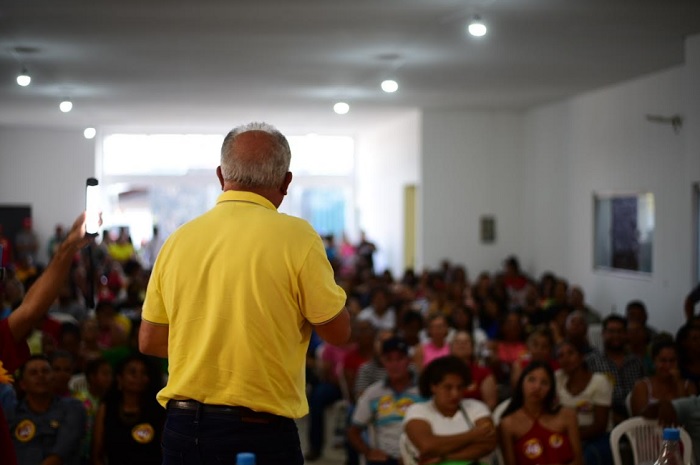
point(46, 288)
point(153, 339)
point(420, 433)
point(335, 331)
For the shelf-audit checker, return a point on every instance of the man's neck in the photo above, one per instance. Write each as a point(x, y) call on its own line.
point(268, 193)
point(39, 403)
point(616, 355)
point(400, 384)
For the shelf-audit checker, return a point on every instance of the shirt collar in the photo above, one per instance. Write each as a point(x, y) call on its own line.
point(245, 196)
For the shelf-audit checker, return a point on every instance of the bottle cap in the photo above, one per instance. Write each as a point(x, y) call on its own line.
point(245, 458)
point(672, 434)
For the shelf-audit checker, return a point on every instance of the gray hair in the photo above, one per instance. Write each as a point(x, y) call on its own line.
point(264, 169)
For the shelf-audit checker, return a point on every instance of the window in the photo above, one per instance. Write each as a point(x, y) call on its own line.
point(168, 179)
point(624, 232)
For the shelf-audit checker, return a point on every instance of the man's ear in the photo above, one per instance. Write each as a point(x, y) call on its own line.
point(220, 176)
point(285, 184)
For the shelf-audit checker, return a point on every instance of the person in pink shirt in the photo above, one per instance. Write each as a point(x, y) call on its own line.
point(437, 345)
point(324, 394)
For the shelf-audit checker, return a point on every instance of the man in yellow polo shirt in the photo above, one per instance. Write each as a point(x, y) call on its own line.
point(231, 302)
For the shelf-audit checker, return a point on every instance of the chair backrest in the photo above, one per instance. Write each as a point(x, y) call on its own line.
point(645, 437)
point(595, 336)
point(407, 454)
point(496, 416)
point(498, 411)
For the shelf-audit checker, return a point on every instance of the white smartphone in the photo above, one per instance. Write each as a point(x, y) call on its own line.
point(92, 207)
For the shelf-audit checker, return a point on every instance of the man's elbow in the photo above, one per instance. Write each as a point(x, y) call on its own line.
point(336, 331)
point(148, 347)
point(337, 338)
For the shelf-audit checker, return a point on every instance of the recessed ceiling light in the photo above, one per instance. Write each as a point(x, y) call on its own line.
point(477, 28)
point(89, 133)
point(66, 105)
point(389, 86)
point(24, 78)
point(341, 108)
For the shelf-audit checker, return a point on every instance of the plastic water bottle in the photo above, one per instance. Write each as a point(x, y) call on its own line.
point(670, 448)
point(246, 458)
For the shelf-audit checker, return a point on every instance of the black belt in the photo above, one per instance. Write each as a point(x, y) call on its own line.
point(242, 413)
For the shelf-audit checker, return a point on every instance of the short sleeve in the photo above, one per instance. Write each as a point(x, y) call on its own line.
point(417, 411)
point(363, 413)
point(12, 354)
point(320, 298)
point(602, 394)
point(475, 409)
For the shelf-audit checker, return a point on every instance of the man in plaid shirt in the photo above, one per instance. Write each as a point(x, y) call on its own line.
point(622, 368)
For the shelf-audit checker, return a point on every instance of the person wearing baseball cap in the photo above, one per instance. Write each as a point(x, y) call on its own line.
point(383, 405)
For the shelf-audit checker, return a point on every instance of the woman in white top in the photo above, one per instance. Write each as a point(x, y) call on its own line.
point(590, 394)
point(447, 428)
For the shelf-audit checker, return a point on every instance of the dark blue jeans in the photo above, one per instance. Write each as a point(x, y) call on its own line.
point(199, 437)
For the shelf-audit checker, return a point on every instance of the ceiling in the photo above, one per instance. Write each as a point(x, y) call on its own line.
point(217, 63)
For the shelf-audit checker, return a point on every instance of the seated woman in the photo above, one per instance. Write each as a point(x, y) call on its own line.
point(540, 347)
point(665, 384)
point(129, 421)
point(483, 384)
point(590, 394)
point(462, 319)
point(508, 348)
point(448, 428)
point(534, 430)
point(436, 346)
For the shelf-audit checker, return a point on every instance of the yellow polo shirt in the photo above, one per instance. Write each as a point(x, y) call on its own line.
point(238, 288)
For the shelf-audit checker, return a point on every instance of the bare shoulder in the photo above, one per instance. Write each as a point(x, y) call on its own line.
point(568, 413)
point(508, 423)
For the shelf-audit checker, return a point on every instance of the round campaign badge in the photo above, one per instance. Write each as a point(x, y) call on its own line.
point(143, 433)
point(25, 431)
point(556, 440)
point(532, 448)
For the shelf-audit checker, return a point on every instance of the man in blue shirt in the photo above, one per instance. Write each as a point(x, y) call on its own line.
point(46, 430)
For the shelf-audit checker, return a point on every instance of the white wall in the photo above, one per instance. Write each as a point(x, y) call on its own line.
point(387, 161)
point(537, 172)
point(472, 166)
point(691, 130)
point(602, 141)
point(45, 168)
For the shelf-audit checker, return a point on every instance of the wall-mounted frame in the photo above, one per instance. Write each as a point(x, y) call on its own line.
point(487, 229)
point(623, 234)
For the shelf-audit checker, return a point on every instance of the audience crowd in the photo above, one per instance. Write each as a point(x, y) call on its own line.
point(440, 368)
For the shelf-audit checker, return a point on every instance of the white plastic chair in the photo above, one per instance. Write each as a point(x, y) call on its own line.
point(498, 411)
point(496, 416)
point(408, 456)
point(78, 383)
point(645, 437)
point(595, 336)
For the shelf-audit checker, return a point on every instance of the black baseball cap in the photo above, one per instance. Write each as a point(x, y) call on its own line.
point(394, 344)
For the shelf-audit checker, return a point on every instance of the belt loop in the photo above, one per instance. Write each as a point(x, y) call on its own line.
point(198, 412)
point(197, 415)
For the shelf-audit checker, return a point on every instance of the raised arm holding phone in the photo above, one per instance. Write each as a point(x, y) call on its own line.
point(15, 328)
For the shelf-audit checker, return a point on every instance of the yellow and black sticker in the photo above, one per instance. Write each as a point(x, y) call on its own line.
point(143, 433)
point(25, 431)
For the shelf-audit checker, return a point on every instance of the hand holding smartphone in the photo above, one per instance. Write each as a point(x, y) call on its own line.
point(92, 207)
